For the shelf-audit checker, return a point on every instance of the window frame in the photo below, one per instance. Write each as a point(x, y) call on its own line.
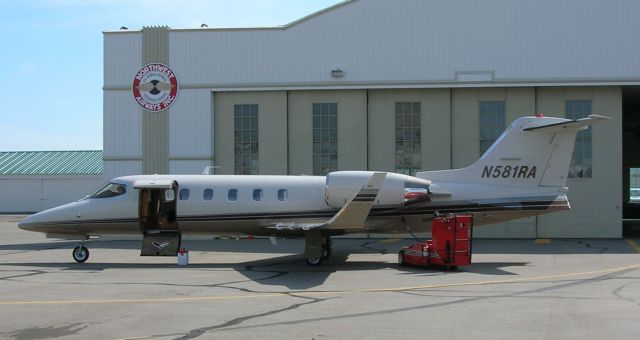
point(246, 126)
point(324, 140)
point(583, 147)
point(408, 137)
point(492, 122)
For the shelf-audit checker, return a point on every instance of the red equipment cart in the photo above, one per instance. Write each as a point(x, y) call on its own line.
point(450, 245)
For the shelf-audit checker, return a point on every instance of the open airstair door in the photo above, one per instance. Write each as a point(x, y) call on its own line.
point(157, 211)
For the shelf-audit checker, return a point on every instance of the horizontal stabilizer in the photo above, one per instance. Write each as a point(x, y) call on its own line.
point(579, 124)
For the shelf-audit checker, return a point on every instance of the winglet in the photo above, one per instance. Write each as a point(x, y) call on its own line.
point(354, 213)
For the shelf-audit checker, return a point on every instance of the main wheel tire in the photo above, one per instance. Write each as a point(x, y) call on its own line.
point(314, 261)
point(326, 249)
point(326, 253)
point(401, 258)
point(80, 254)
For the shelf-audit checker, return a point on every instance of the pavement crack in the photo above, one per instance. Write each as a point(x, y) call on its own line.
point(617, 293)
point(33, 273)
point(200, 331)
point(565, 284)
point(367, 245)
point(587, 244)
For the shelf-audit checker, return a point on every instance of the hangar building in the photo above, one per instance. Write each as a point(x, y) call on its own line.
point(32, 181)
point(403, 85)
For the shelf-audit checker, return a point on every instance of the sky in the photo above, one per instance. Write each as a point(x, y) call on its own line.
point(51, 62)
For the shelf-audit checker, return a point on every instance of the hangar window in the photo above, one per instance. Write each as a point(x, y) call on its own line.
point(257, 194)
point(245, 139)
point(207, 195)
point(408, 138)
point(184, 194)
point(581, 162)
point(325, 138)
point(282, 195)
point(492, 122)
point(232, 195)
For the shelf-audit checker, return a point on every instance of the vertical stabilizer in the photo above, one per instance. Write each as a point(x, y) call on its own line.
point(533, 151)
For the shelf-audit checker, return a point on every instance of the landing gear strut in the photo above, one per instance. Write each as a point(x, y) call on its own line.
point(325, 252)
point(80, 253)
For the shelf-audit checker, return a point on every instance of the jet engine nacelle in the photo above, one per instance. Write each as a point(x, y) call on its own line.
point(396, 189)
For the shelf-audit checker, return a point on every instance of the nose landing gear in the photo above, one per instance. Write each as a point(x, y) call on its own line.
point(80, 253)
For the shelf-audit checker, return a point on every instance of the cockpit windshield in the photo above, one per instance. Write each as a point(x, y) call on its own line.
point(109, 190)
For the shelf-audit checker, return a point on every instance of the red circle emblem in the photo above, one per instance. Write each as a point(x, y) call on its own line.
point(155, 87)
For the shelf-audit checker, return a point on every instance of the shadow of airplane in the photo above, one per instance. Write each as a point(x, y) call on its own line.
point(290, 271)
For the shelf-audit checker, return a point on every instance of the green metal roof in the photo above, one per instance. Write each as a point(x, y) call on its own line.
point(51, 163)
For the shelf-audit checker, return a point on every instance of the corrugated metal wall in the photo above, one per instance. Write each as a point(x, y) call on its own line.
point(424, 41)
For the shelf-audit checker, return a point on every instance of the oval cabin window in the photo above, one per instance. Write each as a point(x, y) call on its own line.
point(207, 195)
point(184, 194)
point(257, 194)
point(233, 195)
point(282, 195)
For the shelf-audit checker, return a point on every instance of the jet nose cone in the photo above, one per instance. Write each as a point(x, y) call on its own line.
point(25, 223)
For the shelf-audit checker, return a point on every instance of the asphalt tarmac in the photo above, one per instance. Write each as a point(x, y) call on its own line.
point(515, 289)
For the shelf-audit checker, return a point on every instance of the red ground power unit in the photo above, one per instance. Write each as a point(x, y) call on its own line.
point(450, 245)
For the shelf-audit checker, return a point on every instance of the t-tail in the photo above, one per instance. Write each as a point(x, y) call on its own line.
point(532, 151)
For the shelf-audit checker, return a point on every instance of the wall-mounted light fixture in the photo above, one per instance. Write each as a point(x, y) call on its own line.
point(337, 73)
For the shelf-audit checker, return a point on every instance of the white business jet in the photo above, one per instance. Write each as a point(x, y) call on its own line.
point(524, 173)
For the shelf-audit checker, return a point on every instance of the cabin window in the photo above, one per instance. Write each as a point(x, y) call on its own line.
point(184, 194)
point(109, 190)
point(581, 161)
point(233, 195)
point(207, 195)
point(492, 123)
point(325, 138)
point(169, 195)
point(282, 195)
point(257, 194)
point(408, 138)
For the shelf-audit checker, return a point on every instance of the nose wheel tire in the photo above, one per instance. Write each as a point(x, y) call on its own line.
point(80, 254)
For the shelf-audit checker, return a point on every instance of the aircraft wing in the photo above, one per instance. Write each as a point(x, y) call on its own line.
point(352, 215)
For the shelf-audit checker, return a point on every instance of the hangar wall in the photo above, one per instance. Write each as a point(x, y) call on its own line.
point(421, 53)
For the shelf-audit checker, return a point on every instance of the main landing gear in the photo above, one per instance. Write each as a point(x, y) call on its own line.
point(80, 253)
point(325, 253)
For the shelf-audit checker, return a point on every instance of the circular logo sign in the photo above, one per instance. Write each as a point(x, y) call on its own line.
point(155, 87)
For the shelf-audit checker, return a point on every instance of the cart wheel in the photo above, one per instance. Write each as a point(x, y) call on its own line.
point(452, 268)
point(401, 261)
point(80, 254)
